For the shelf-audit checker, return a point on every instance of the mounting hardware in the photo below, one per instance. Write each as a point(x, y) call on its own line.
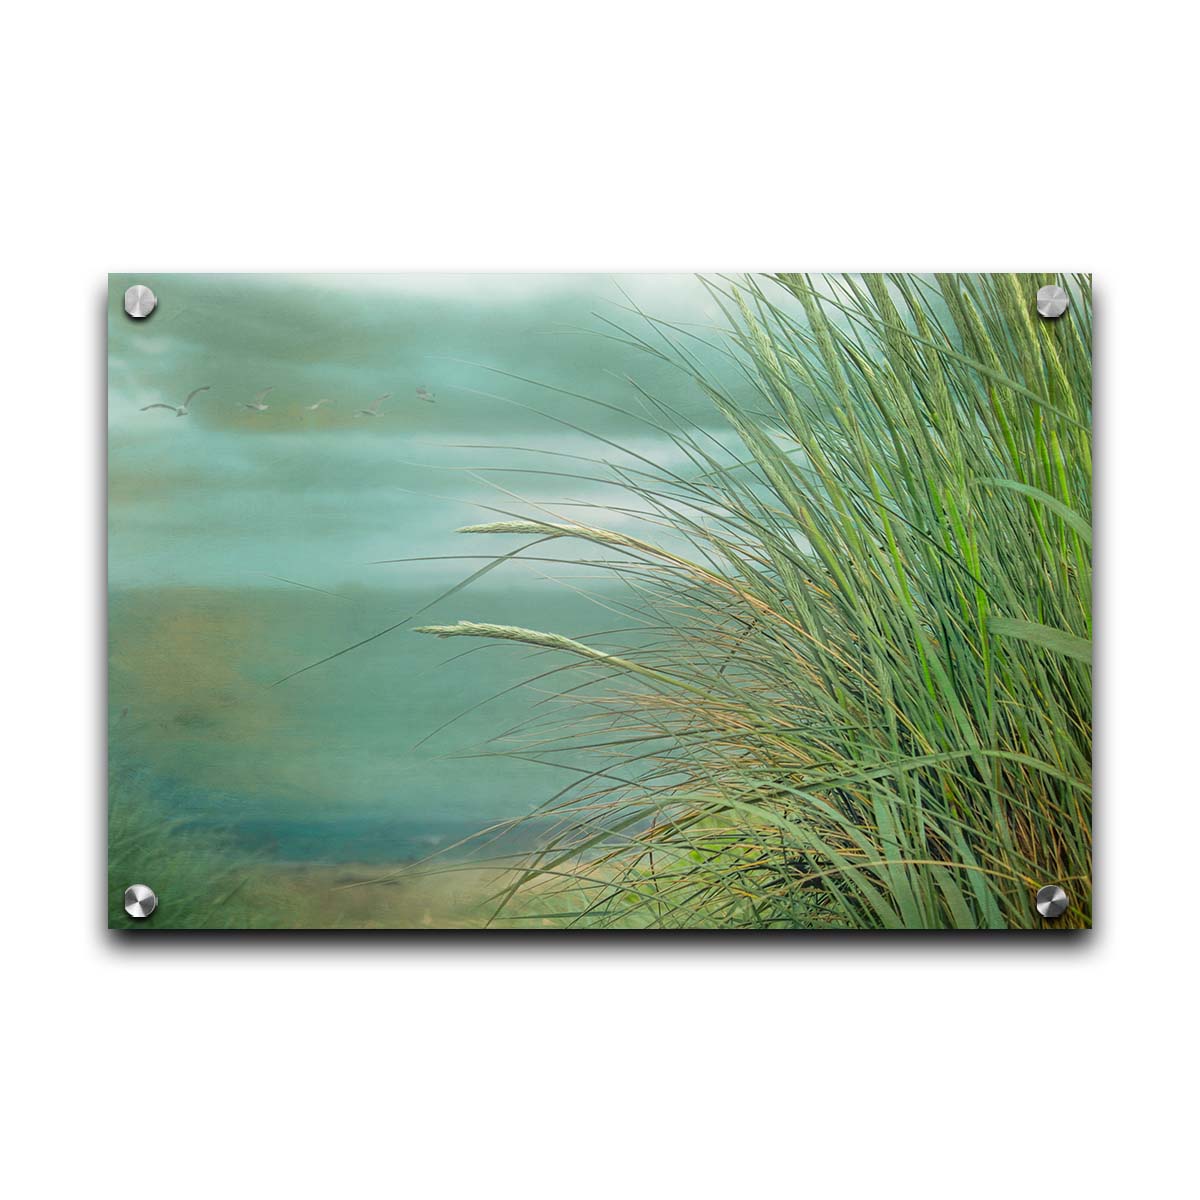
point(1052, 301)
point(1051, 901)
point(140, 301)
point(140, 901)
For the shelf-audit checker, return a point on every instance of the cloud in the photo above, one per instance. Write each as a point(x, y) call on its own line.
point(520, 366)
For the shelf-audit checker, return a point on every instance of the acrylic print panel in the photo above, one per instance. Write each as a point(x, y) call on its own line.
point(586, 602)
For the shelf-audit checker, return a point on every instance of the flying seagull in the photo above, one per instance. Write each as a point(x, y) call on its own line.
point(372, 410)
point(423, 393)
point(180, 410)
point(314, 407)
point(257, 403)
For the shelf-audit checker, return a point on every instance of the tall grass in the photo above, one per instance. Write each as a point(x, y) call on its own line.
point(860, 693)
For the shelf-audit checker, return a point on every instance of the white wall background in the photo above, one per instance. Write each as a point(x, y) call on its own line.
point(515, 136)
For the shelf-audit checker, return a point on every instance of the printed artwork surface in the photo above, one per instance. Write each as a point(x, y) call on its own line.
point(588, 602)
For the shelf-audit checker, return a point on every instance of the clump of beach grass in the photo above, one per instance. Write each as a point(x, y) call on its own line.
point(861, 697)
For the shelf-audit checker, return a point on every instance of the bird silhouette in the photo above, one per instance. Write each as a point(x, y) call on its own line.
point(372, 410)
point(180, 410)
point(314, 407)
point(423, 393)
point(257, 403)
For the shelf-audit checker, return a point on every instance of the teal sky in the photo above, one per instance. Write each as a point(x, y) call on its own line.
point(228, 495)
point(207, 513)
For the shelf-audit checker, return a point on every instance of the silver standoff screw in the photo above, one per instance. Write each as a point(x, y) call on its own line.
point(140, 901)
point(140, 301)
point(1051, 901)
point(1052, 300)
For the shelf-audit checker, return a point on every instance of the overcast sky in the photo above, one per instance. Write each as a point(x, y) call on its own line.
point(228, 496)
